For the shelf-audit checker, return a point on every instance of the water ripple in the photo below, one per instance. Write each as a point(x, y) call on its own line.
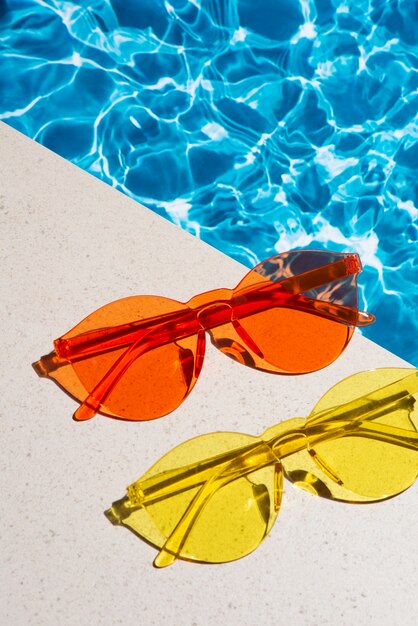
point(257, 126)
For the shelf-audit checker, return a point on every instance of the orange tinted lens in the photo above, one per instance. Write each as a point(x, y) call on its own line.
point(156, 382)
point(290, 340)
point(297, 342)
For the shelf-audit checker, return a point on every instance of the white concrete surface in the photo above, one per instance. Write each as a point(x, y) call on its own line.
point(70, 244)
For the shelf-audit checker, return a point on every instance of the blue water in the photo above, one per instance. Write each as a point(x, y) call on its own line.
point(257, 125)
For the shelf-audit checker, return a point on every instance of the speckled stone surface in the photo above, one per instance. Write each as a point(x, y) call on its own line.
point(70, 244)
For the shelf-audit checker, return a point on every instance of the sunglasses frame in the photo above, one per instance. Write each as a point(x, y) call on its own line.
point(204, 312)
point(278, 442)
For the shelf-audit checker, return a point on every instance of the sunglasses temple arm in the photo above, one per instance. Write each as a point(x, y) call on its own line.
point(379, 432)
point(65, 350)
point(237, 468)
point(287, 442)
point(101, 340)
point(173, 482)
point(171, 549)
point(320, 276)
point(337, 312)
point(370, 406)
point(313, 279)
point(179, 327)
point(390, 434)
point(106, 339)
point(91, 404)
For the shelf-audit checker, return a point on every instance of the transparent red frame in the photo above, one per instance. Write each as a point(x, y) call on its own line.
point(138, 358)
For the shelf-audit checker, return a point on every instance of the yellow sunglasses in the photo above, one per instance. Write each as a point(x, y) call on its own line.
point(214, 498)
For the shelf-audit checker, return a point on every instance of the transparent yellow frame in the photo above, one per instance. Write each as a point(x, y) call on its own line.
point(215, 497)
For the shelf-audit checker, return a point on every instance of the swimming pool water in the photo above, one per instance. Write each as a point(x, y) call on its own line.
point(257, 125)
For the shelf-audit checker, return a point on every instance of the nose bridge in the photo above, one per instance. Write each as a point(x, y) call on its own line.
point(214, 314)
point(286, 438)
point(212, 308)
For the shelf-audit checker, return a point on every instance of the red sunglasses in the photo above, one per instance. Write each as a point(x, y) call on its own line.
point(139, 357)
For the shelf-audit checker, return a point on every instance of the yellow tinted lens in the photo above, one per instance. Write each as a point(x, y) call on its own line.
point(234, 520)
point(302, 470)
point(305, 472)
point(360, 461)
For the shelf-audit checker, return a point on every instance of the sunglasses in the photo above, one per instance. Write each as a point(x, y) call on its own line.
point(138, 358)
point(214, 498)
